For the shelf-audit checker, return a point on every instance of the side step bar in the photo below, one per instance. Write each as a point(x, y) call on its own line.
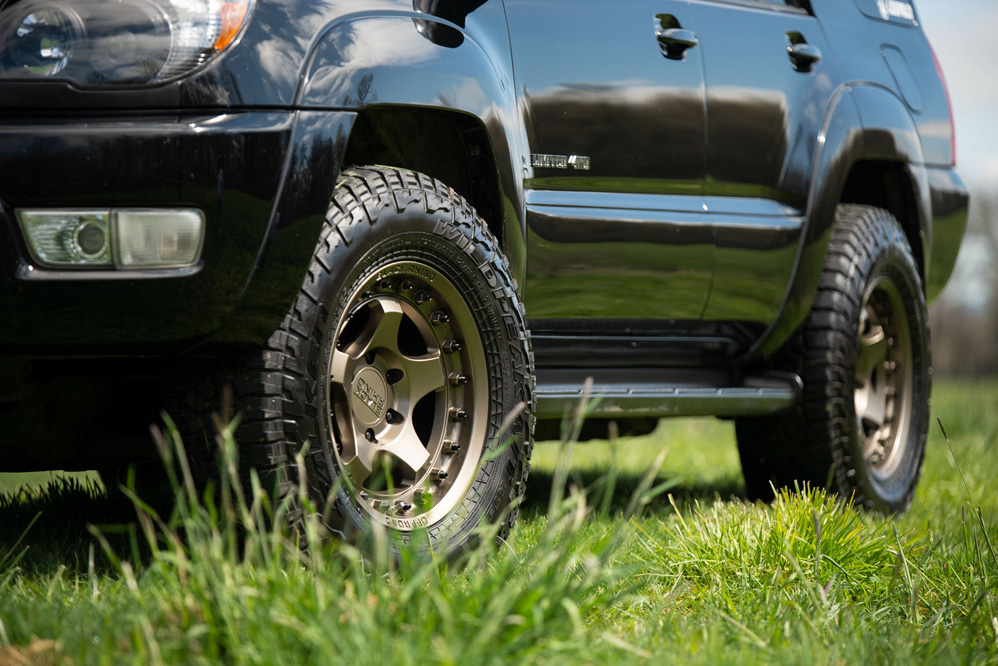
point(650, 393)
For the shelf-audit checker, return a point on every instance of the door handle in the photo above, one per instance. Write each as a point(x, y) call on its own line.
point(804, 56)
point(675, 41)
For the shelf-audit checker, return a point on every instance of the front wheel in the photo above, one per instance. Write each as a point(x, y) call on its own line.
point(404, 365)
point(863, 354)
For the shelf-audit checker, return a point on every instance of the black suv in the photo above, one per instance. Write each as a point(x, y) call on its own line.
point(406, 232)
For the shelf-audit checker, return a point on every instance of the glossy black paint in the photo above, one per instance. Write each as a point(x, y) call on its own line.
point(228, 165)
point(720, 135)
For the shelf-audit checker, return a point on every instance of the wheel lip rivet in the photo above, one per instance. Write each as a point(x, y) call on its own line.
point(405, 285)
point(439, 475)
point(451, 346)
point(457, 379)
point(385, 284)
point(422, 297)
point(457, 414)
point(438, 318)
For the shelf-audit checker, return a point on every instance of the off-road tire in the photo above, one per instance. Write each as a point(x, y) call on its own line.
point(864, 346)
point(396, 241)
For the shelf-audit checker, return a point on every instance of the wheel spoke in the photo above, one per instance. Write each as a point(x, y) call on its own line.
point(407, 448)
point(425, 374)
point(874, 416)
point(339, 367)
point(359, 467)
point(383, 329)
point(872, 354)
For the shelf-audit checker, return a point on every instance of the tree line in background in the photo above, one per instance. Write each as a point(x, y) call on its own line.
point(964, 319)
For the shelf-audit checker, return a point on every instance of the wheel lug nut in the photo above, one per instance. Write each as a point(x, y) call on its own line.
point(394, 376)
point(366, 294)
point(438, 475)
point(423, 297)
point(391, 416)
point(457, 379)
point(385, 285)
point(453, 447)
point(451, 346)
point(370, 357)
point(457, 414)
point(369, 435)
point(438, 318)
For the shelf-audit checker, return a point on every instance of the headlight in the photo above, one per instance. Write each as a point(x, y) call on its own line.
point(114, 42)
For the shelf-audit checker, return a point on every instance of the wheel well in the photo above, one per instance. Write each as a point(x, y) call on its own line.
point(452, 147)
point(887, 185)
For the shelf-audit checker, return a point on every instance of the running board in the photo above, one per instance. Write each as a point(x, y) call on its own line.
point(655, 393)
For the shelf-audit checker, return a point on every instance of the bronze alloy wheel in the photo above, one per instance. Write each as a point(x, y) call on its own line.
point(861, 423)
point(883, 386)
point(408, 396)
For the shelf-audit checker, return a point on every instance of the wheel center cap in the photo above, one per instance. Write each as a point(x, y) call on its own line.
point(369, 396)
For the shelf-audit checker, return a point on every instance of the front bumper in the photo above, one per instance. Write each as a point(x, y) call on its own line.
point(228, 165)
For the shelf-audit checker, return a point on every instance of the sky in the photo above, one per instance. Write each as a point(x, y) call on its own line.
point(964, 34)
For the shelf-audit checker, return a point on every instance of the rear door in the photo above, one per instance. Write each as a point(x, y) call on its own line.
point(613, 96)
point(770, 79)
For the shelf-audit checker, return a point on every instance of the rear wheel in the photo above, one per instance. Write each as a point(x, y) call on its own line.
point(404, 366)
point(861, 425)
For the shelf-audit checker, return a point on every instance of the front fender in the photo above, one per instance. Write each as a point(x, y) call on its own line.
point(409, 58)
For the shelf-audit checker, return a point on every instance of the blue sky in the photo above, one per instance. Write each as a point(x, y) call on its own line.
point(965, 36)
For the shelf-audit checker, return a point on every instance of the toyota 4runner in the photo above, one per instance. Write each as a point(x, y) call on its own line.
point(407, 232)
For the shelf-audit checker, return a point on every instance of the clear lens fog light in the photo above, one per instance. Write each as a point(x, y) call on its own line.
point(121, 237)
point(164, 238)
point(67, 238)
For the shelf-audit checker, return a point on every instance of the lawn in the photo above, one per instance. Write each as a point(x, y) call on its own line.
point(637, 565)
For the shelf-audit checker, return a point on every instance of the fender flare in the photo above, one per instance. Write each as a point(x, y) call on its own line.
point(415, 59)
point(863, 122)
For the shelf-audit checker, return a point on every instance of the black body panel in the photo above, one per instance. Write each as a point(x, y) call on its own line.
point(663, 177)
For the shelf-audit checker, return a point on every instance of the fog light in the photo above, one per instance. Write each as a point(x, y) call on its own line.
point(66, 237)
point(164, 238)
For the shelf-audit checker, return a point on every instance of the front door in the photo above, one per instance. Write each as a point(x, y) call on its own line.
point(613, 96)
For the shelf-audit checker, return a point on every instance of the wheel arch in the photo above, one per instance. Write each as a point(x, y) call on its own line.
point(870, 153)
point(889, 185)
point(452, 147)
point(432, 95)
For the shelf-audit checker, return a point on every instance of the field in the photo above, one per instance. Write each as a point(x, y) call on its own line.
point(613, 560)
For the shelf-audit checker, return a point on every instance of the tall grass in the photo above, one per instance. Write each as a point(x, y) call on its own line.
point(221, 579)
point(603, 567)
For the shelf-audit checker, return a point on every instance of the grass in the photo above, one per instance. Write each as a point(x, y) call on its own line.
point(671, 566)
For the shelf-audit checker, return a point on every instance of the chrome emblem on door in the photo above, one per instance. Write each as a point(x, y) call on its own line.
point(578, 162)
